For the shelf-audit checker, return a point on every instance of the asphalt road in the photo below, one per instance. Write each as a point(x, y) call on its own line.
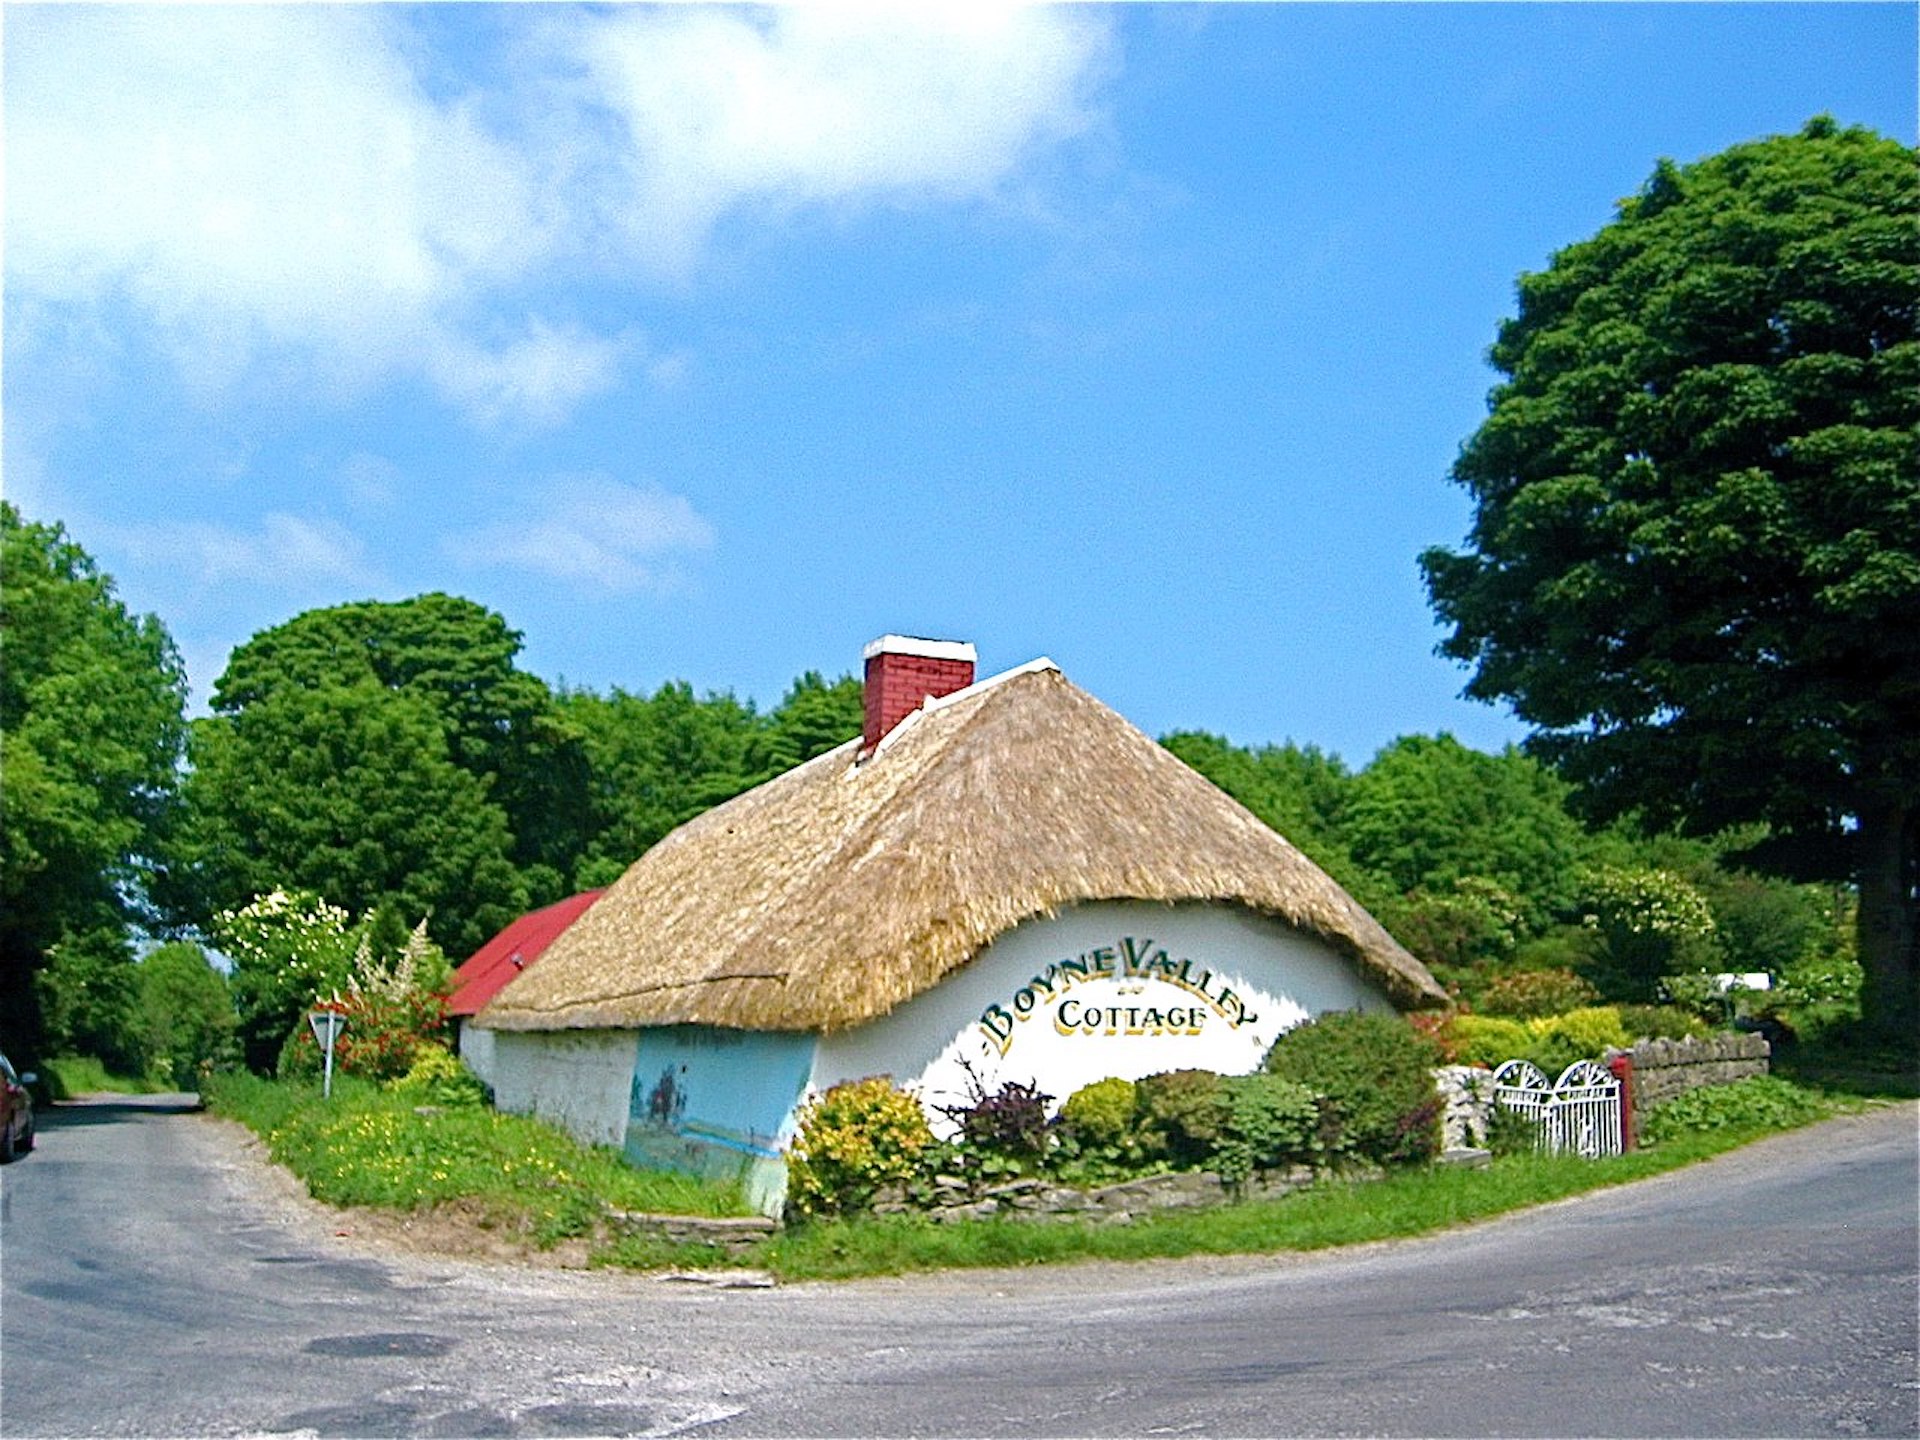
point(154, 1282)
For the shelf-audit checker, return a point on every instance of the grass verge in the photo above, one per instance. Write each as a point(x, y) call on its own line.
point(66, 1076)
point(1402, 1204)
point(367, 1146)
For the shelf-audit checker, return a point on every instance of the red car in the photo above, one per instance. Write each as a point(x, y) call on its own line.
point(16, 1112)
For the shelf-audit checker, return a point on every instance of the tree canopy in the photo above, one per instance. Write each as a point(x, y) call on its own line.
point(348, 791)
point(501, 724)
point(1694, 562)
point(91, 705)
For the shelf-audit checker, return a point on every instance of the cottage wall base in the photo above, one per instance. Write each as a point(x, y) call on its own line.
point(580, 1080)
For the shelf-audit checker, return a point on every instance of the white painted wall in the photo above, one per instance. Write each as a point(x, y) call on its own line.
point(476, 1048)
point(581, 1080)
point(1279, 976)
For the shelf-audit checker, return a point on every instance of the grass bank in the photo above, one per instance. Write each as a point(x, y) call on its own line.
point(368, 1147)
point(67, 1076)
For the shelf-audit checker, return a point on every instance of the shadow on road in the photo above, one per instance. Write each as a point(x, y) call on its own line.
point(111, 1109)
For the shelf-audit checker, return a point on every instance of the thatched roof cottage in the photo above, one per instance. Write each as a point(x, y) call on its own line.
point(1003, 879)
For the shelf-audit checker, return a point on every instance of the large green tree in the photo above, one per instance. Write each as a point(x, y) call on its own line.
point(91, 728)
point(814, 715)
point(1429, 813)
point(1694, 563)
point(349, 791)
point(1300, 792)
point(502, 724)
point(656, 761)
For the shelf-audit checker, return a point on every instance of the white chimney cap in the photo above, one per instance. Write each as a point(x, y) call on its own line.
point(915, 645)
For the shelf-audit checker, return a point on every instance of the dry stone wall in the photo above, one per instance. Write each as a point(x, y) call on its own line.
point(1663, 1069)
point(1116, 1204)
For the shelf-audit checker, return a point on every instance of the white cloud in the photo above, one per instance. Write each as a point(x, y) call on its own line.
point(593, 531)
point(826, 104)
point(286, 553)
point(309, 185)
point(254, 175)
point(538, 379)
point(369, 479)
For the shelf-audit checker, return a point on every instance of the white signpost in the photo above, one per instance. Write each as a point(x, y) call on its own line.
point(327, 1025)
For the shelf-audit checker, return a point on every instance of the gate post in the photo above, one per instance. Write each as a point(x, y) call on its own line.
point(1621, 1064)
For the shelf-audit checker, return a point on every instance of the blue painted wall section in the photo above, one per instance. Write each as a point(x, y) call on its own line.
point(719, 1103)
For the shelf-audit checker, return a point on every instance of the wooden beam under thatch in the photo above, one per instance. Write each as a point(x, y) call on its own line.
point(827, 896)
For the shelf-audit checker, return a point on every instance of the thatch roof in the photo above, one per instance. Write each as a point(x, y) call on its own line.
point(832, 893)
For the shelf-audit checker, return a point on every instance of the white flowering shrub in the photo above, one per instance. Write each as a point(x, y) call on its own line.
point(1655, 923)
point(287, 948)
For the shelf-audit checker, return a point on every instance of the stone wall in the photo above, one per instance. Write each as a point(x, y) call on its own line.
point(735, 1235)
point(1466, 1098)
point(1663, 1069)
point(1115, 1204)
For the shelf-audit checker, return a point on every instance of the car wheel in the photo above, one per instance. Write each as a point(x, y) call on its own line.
point(26, 1137)
point(6, 1144)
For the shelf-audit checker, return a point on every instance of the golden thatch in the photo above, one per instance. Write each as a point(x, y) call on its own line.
point(832, 893)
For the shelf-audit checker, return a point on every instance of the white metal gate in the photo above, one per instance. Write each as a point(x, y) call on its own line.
point(1578, 1113)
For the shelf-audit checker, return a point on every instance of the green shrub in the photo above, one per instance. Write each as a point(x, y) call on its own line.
point(1661, 1022)
point(1528, 994)
point(1587, 1034)
point(858, 1136)
point(1760, 1102)
point(1489, 1040)
point(1100, 1113)
point(1375, 1073)
point(383, 1035)
point(1271, 1123)
point(437, 1077)
point(1181, 1115)
point(1095, 1140)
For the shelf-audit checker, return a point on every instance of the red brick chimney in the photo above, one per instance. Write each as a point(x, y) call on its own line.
point(904, 672)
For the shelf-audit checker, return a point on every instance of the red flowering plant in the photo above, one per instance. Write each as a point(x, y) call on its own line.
point(393, 1009)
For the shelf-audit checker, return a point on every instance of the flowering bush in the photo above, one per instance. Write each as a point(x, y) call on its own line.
point(287, 948)
point(1655, 923)
point(391, 1015)
point(858, 1136)
point(1528, 994)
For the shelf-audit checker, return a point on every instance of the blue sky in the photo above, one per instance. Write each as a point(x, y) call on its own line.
point(708, 344)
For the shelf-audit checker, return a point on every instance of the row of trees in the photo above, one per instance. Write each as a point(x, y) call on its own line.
point(390, 757)
point(382, 763)
point(1480, 865)
point(1694, 567)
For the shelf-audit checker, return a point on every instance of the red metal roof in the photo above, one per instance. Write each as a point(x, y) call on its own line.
point(489, 968)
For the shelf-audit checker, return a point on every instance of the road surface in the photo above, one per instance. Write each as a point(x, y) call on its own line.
point(154, 1280)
